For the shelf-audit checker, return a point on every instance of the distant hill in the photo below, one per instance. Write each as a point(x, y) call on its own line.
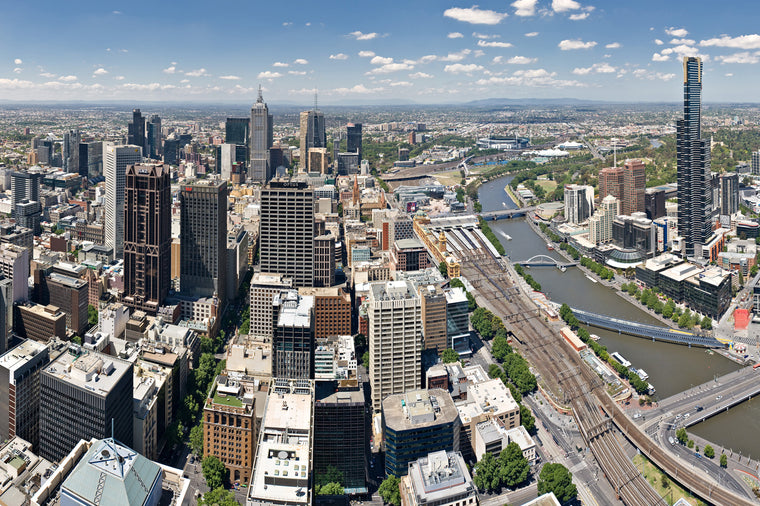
point(495, 102)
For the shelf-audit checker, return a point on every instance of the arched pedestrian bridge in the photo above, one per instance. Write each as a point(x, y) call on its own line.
point(543, 261)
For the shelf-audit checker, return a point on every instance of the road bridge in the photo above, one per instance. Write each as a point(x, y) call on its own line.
point(506, 213)
point(643, 330)
point(543, 261)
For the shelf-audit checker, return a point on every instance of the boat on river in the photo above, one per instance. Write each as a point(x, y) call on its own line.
point(590, 278)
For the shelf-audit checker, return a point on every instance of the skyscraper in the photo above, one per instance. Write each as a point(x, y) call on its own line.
point(755, 163)
point(354, 139)
point(116, 160)
point(579, 202)
point(203, 238)
point(634, 187)
point(693, 165)
point(25, 185)
point(136, 129)
point(293, 340)
point(147, 236)
point(236, 131)
point(286, 237)
point(312, 134)
point(261, 140)
point(729, 193)
point(70, 151)
point(153, 138)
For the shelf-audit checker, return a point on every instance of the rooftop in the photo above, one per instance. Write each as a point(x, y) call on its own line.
point(440, 475)
point(661, 262)
point(681, 272)
point(409, 244)
point(68, 281)
point(295, 310)
point(490, 396)
point(392, 290)
point(418, 409)
point(263, 278)
point(17, 357)
point(91, 370)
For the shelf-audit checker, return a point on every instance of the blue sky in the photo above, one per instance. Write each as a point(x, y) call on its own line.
point(422, 51)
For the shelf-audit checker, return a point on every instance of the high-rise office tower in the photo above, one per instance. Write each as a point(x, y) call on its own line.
point(147, 236)
point(634, 187)
point(354, 139)
point(236, 131)
point(395, 339)
point(153, 138)
point(70, 151)
point(756, 163)
point(90, 159)
point(203, 238)
point(312, 135)
point(600, 225)
point(729, 193)
point(579, 202)
point(136, 129)
point(261, 140)
point(25, 185)
point(286, 235)
point(116, 161)
point(293, 341)
point(693, 164)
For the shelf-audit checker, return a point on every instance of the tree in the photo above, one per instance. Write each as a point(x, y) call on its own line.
point(664, 482)
point(684, 321)
point(218, 497)
point(360, 341)
point(723, 460)
point(690, 444)
point(486, 473)
point(196, 439)
point(92, 315)
point(681, 436)
point(331, 488)
point(365, 359)
point(389, 491)
point(709, 451)
point(514, 466)
point(444, 269)
point(456, 283)
point(449, 356)
point(500, 348)
point(706, 323)
point(214, 472)
point(556, 478)
point(526, 419)
point(76, 340)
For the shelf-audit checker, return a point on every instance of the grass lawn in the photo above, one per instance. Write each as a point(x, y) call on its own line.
point(671, 492)
point(227, 400)
point(547, 185)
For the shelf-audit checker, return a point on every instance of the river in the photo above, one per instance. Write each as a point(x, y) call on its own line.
point(672, 368)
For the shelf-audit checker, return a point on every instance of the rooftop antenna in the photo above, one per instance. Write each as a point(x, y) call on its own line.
point(614, 153)
point(261, 98)
point(315, 99)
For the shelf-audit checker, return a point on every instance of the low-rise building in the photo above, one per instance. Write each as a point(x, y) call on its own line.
point(440, 478)
point(40, 323)
point(486, 400)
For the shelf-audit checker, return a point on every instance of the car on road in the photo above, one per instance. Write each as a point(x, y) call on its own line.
point(686, 415)
point(718, 397)
point(698, 455)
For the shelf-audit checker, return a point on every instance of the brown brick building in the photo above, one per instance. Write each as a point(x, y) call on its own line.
point(332, 311)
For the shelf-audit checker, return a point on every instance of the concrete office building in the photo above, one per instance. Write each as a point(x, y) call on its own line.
point(116, 161)
point(756, 163)
point(293, 342)
point(81, 393)
point(39, 322)
point(312, 135)
point(394, 311)
point(282, 471)
point(729, 194)
point(145, 403)
point(440, 478)
point(147, 236)
point(7, 312)
point(261, 127)
point(203, 236)
point(416, 423)
point(286, 237)
point(28, 214)
point(25, 186)
point(72, 296)
point(433, 311)
point(14, 265)
point(341, 432)
point(324, 260)
point(600, 224)
point(229, 426)
point(20, 391)
point(263, 289)
point(579, 203)
point(486, 400)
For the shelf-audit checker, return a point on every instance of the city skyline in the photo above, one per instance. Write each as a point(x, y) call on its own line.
point(375, 53)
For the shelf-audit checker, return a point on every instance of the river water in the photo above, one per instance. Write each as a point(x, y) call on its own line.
point(672, 368)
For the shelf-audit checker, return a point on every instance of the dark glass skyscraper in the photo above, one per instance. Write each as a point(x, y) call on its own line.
point(695, 214)
point(354, 139)
point(153, 137)
point(136, 129)
point(236, 131)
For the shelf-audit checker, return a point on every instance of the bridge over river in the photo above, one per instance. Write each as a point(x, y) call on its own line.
point(506, 213)
point(543, 261)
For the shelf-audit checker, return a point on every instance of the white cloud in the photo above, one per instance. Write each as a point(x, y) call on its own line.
point(280, 64)
point(18, 70)
point(683, 50)
point(339, 56)
point(420, 75)
point(268, 74)
point(743, 57)
point(565, 5)
point(363, 36)
point(521, 60)
point(455, 35)
point(596, 68)
point(48, 75)
point(381, 60)
point(741, 42)
point(660, 57)
point(116, 12)
point(390, 67)
point(18, 61)
point(67, 79)
point(297, 72)
point(119, 78)
point(525, 8)
point(531, 34)
point(567, 45)
point(688, 42)
point(493, 43)
point(729, 74)
point(580, 16)
point(651, 76)
point(99, 72)
point(287, 23)
point(479, 35)
point(475, 16)
point(404, 84)
point(359, 88)
point(613, 45)
point(677, 32)
point(197, 73)
point(183, 81)
point(458, 56)
point(308, 24)
point(300, 61)
point(461, 68)
point(230, 78)
point(366, 54)
point(658, 42)
point(530, 78)
point(170, 70)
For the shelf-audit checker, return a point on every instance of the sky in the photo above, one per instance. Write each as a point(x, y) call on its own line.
point(420, 51)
